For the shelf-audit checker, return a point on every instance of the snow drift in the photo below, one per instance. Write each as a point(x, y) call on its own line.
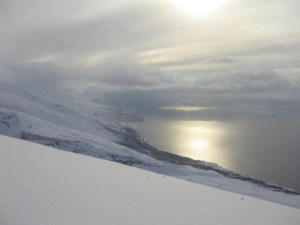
point(40, 185)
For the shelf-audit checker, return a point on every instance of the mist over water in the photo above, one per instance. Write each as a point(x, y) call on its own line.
point(264, 146)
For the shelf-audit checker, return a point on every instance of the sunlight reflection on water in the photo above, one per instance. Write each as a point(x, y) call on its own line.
point(199, 139)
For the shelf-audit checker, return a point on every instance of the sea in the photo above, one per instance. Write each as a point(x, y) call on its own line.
point(264, 146)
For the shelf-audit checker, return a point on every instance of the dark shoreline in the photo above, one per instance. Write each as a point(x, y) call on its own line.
point(133, 140)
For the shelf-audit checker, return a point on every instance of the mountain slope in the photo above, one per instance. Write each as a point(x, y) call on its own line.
point(40, 185)
point(106, 132)
point(29, 116)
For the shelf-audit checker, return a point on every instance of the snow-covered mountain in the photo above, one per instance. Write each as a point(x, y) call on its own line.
point(40, 185)
point(106, 132)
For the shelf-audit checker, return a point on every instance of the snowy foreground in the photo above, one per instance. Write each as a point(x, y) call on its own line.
point(41, 185)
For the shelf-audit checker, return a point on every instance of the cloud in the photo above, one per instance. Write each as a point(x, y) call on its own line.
point(222, 59)
point(242, 82)
point(62, 32)
point(150, 53)
point(127, 75)
point(42, 78)
point(233, 90)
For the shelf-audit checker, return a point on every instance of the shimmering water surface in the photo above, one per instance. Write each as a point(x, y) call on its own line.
point(263, 146)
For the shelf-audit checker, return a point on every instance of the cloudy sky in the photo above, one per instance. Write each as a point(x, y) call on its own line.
point(153, 53)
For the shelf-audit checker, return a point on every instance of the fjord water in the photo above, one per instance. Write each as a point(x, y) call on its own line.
point(263, 146)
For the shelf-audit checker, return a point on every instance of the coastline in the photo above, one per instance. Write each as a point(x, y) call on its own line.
point(133, 140)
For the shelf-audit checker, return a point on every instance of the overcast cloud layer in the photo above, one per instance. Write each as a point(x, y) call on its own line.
point(150, 53)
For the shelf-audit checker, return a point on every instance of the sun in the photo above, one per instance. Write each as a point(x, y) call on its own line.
point(198, 6)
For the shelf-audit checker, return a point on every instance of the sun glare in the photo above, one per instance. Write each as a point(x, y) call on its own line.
point(197, 145)
point(198, 6)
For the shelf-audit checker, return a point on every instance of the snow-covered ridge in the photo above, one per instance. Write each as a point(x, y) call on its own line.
point(40, 185)
point(101, 131)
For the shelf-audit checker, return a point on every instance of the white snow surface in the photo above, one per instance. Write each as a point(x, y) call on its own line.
point(41, 185)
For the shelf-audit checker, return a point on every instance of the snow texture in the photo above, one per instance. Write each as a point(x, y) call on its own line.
point(40, 185)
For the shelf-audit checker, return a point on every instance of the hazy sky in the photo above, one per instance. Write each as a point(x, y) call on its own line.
point(156, 52)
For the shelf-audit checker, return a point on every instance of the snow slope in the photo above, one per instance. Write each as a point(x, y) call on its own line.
point(40, 185)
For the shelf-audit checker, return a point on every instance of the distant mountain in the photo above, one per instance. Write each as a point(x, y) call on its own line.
point(78, 126)
point(105, 131)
